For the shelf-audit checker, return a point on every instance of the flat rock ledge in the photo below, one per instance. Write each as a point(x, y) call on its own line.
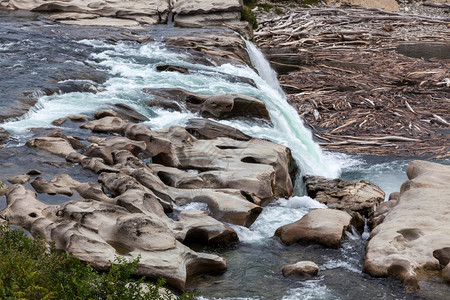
point(412, 243)
point(145, 178)
point(325, 227)
point(133, 14)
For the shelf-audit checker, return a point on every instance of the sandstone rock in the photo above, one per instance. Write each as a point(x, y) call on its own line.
point(382, 210)
point(59, 184)
point(207, 129)
point(128, 113)
point(301, 270)
point(415, 229)
point(55, 145)
point(97, 232)
point(200, 228)
point(20, 179)
point(4, 135)
point(446, 273)
point(74, 142)
point(223, 48)
point(387, 5)
point(96, 164)
point(228, 206)
point(353, 197)
point(218, 106)
point(101, 21)
point(178, 178)
point(443, 256)
point(171, 68)
point(106, 124)
point(103, 147)
point(83, 12)
point(78, 118)
point(93, 191)
point(198, 13)
point(105, 113)
point(257, 166)
point(36, 171)
point(59, 122)
point(361, 197)
point(320, 226)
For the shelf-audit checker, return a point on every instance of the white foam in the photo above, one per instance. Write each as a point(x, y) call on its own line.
point(276, 215)
point(312, 289)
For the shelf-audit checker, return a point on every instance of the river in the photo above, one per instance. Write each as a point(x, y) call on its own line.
point(36, 55)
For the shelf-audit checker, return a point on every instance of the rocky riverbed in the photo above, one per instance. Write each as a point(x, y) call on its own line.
point(169, 147)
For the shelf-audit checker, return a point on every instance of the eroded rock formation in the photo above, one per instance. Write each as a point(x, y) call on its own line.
point(412, 241)
point(96, 232)
point(145, 175)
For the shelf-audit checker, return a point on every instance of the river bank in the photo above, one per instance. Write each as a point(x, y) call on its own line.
point(128, 67)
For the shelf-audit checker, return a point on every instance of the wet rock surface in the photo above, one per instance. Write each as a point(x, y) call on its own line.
point(96, 232)
point(126, 211)
point(320, 226)
point(411, 242)
point(224, 106)
point(302, 270)
point(361, 198)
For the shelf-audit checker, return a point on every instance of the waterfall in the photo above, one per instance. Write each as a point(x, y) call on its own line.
point(288, 123)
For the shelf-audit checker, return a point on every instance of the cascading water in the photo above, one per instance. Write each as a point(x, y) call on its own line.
point(287, 121)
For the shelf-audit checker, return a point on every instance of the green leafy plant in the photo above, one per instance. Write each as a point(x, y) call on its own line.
point(30, 269)
point(248, 15)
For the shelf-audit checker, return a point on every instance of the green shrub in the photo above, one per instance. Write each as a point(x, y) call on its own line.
point(265, 6)
point(29, 269)
point(248, 15)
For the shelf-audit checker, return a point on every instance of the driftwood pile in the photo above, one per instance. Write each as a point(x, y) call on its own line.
point(343, 70)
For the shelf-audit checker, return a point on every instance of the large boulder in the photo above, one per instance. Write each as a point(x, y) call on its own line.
point(413, 237)
point(320, 226)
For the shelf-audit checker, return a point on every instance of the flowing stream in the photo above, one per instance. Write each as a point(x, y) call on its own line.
point(32, 54)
